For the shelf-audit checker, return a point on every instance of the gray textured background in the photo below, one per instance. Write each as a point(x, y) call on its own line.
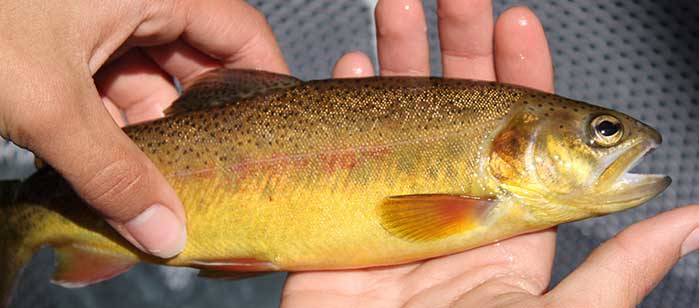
point(639, 57)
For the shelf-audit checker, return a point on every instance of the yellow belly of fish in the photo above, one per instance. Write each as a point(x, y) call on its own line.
point(310, 214)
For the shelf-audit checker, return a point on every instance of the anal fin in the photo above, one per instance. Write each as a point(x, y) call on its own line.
point(237, 268)
point(78, 266)
point(226, 275)
point(432, 216)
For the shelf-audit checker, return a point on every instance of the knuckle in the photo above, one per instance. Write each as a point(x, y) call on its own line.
point(258, 33)
point(463, 10)
point(161, 21)
point(480, 52)
point(548, 301)
point(35, 109)
point(259, 19)
point(505, 288)
point(259, 27)
point(113, 189)
point(621, 260)
point(626, 259)
point(33, 122)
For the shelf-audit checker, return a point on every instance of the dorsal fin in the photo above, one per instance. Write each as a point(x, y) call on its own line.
point(220, 87)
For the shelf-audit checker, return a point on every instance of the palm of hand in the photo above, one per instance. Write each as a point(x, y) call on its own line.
point(514, 272)
point(511, 271)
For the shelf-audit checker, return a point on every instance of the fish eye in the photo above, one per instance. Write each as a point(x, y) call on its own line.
point(606, 130)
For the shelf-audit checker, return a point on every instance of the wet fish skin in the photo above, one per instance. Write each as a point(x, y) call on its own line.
point(279, 174)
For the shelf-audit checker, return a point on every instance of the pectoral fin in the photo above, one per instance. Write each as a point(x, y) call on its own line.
point(80, 266)
point(432, 217)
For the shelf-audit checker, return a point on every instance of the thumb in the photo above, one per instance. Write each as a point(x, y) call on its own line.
point(622, 271)
point(75, 134)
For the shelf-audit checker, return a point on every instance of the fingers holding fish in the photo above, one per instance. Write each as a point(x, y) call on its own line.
point(248, 41)
point(182, 61)
point(466, 38)
point(245, 41)
point(484, 271)
point(137, 86)
point(402, 43)
point(353, 65)
point(243, 38)
point(522, 54)
point(530, 257)
point(69, 128)
point(61, 117)
point(627, 267)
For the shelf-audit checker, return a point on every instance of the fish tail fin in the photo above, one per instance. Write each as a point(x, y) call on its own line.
point(14, 253)
point(29, 221)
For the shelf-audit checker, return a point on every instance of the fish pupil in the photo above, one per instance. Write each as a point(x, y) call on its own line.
point(607, 128)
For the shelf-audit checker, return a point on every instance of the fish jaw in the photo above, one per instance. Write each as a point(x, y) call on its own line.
point(618, 189)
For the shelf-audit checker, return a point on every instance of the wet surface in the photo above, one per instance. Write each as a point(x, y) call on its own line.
point(638, 57)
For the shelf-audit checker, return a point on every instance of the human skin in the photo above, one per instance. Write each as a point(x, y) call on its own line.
point(58, 94)
point(514, 272)
point(66, 68)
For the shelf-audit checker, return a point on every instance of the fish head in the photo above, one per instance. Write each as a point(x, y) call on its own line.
point(563, 152)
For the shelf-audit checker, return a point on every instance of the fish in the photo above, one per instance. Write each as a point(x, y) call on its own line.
point(279, 174)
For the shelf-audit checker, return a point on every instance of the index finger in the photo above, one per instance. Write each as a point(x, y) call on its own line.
point(231, 32)
point(246, 41)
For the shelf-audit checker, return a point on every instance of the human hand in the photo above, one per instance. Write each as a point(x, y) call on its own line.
point(51, 105)
point(514, 272)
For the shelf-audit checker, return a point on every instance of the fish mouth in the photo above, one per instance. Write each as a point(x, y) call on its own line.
point(618, 189)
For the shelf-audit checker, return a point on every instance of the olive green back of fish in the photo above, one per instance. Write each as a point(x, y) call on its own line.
point(317, 116)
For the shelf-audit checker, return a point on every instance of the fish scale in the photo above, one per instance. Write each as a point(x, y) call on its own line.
point(321, 105)
point(279, 174)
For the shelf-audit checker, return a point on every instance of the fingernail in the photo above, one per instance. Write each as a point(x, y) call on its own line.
point(159, 231)
point(691, 243)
